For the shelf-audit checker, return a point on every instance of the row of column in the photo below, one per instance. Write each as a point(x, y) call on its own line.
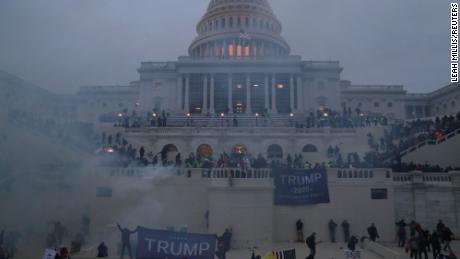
point(238, 48)
point(184, 93)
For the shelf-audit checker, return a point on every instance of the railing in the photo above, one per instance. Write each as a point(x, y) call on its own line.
point(429, 142)
point(432, 178)
point(239, 130)
point(335, 174)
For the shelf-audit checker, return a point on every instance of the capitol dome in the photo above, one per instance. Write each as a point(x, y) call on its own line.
point(239, 29)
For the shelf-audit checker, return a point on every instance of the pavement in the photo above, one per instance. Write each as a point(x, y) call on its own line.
point(323, 251)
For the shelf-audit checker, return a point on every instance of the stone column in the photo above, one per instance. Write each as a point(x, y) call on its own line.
point(204, 109)
point(299, 93)
point(248, 94)
point(291, 93)
point(274, 109)
point(266, 93)
point(229, 94)
point(187, 94)
point(211, 99)
point(179, 93)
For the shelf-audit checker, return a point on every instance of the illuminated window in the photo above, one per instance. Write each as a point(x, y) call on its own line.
point(230, 50)
point(247, 51)
point(238, 51)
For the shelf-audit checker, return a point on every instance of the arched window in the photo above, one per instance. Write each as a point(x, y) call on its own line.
point(169, 152)
point(223, 24)
point(275, 152)
point(309, 148)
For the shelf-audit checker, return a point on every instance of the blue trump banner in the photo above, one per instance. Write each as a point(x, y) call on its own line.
point(161, 244)
point(296, 187)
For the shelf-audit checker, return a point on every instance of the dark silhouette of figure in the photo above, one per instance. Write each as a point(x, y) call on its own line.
point(413, 246)
point(4, 252)
point(332, 227)
point(346, 230)
point(352, 243)
point(102, 250)
point(311, 244)
point(373, 233)
point(423, 244)
point(227, 237)
point(299, 228)
point(125, 240)
point(447, 237)
point(435, 244)
point(401, 232)
point(223, 244)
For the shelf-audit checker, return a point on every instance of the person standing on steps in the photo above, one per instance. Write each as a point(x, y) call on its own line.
point(346, 230)
point(332, 228)
point(299, 228)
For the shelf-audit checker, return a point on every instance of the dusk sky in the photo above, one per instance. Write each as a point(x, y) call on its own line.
point(63, 44)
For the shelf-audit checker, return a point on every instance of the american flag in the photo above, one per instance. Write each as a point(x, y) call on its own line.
point(245, 35)
point(285, 254)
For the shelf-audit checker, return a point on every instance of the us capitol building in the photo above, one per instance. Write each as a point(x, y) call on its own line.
point(240, 64)
point(240, 67)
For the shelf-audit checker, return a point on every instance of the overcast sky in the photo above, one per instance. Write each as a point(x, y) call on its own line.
point(63, 44)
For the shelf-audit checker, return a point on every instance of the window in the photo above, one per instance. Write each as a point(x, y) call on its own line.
point(390, 104)
point(275, 151)
point(379, 194)
point(309, 148)
point(376, 105)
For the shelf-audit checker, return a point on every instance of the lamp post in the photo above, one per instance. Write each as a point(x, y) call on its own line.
point(257, 119)
point(222, 115)
point(120, 116)
point(188, 119)
point(291, 117)
point(154, 118)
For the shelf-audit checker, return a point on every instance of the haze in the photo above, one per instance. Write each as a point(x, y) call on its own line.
point(62, 44)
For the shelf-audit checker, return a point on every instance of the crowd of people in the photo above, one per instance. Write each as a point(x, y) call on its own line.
point(421, 241)
point(320, 118)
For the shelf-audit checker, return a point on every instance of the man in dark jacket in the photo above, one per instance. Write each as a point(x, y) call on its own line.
point(373, 233)
point(299, 228)
point(125, 240)
point(352, 243)
point(332, 227)
point(102, 250)
point(435, 244)
point(346, 230)
point(311, 244)
point(401, 232)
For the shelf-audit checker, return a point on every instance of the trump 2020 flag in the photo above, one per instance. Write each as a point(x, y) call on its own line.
point(160, 244)
point(297, 187)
